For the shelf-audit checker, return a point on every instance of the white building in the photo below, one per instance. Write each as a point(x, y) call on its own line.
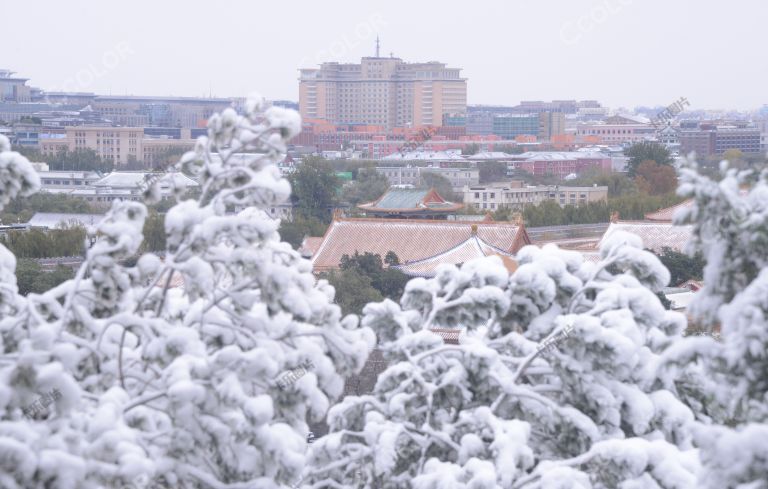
point(516, 195)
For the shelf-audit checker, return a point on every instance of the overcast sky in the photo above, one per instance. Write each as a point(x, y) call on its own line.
point(621, 52)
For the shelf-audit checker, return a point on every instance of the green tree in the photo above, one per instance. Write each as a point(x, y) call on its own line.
point(492, 171)
point(314, 190)
point(439, 183)
point(154, 232)
point(368, 186)
point(389, 282)
point(80, 160)
point(617, 183)
point(294, 231)
point(681, 266)
point(353, 290)
point(31, 278)
point(36, 243)
point(647, 150)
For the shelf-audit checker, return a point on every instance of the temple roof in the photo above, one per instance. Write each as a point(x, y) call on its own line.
point(666, 214)
point(655, 235)
point(412, 239)
point(473, 247)
point(403, 200)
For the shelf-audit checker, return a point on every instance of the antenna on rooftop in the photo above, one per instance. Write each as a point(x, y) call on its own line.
point(377, 46)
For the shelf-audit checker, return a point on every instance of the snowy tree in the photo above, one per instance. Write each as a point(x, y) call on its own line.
point(120, 375)
point(730, 377)
point(554, 384)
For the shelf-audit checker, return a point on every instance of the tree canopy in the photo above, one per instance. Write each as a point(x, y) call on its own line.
point(647, 151)
point(314, 187)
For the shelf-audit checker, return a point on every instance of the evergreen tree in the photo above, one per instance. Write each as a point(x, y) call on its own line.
point(118, 374)
point(550, 386)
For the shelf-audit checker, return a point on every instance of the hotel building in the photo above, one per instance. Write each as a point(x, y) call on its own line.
point(382, 91)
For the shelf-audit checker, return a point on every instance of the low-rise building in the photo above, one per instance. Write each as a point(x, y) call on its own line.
point(618, 129)
point(118, 144)
point(516, 195)
point(412, 175)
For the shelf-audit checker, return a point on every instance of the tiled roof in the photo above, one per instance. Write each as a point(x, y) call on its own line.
point(137, 179)
point(450, 336)
point(410, 200)
point(402, 198)
point(666, 215)
point(655, 235)
point(470, 249)
point(53, 220)
point(410, 239)
point(310, 245)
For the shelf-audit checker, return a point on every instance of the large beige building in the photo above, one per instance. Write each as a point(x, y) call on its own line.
point(119, 144)
point(382, 91)
point(516, 195)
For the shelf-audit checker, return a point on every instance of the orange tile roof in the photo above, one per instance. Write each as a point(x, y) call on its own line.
point(470, 249)
point(655, 235)
point(450, 336)
point(666, 215)
point(310, 245)
point(410, 239)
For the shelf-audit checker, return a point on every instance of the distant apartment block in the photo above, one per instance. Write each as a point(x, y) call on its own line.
point(561, 164)
point(382, 91)
point(412, 175)
point(119, 144)
point(509, 126)
point(710, 139)
point(516, 195)
point(617, 130)
point(13, 89)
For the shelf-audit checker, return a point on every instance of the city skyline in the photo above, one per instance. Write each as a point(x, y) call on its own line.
point(538, 52)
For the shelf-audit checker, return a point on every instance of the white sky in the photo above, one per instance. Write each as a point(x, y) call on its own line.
point(620, 52)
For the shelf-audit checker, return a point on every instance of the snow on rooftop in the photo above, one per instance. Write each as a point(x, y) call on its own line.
point(52, 220)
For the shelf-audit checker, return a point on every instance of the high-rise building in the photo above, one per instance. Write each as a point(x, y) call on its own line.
point(13, 89)
point(509, 126)
point(382, 91)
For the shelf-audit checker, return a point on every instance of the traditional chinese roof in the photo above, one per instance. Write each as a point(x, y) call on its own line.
point(450, 336)
point(410, 201)
point(470, 249)
point(666, 214)
point(412, 239)
point(310, 245)
point(53, 220)
point(655, 235)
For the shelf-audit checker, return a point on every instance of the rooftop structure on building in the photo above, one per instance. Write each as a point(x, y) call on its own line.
point(52, 220)
point(516, 195)
point(410, 203)
point(656, 236)
point(415, 240)
point(90, 187)
point(382, 90)
point(422, 155)
point(414, 175)
point(472, 248)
